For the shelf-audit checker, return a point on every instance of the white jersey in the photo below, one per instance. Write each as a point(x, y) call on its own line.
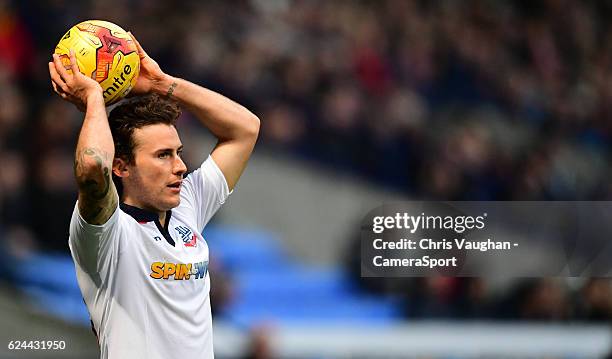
point(146, 286)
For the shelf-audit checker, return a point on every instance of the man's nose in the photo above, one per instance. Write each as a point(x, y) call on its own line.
point(179, 166)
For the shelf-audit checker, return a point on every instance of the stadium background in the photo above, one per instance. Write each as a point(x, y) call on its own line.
point(360, 102)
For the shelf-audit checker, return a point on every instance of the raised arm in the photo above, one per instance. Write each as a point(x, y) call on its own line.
point(235, 127)
point(95, 149)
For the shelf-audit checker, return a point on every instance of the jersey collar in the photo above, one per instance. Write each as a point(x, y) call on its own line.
point(139, 214)
point(143, 216)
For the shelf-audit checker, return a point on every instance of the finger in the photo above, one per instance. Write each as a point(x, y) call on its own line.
point(61, 69)
point(56, 78)
point(141, 52)
point(59, 91)
point(55, 88)
point(74, 63)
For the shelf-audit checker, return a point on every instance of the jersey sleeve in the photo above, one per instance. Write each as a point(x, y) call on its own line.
point(204, 191)
point(94, 247)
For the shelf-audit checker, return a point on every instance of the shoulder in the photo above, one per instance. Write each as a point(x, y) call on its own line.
point(117, 222)
point(207, 180)
point(93, 245)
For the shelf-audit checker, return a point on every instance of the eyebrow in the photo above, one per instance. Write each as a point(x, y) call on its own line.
point(180, 148)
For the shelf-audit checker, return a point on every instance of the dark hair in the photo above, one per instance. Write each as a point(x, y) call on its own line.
point(137, 113)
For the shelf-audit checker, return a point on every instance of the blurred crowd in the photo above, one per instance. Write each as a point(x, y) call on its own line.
point(453, 100)
point(463, 298)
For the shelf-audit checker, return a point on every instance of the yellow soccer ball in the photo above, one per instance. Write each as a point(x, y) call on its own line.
point(104, 52)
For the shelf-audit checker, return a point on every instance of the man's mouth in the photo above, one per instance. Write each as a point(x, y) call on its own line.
point(175, 186)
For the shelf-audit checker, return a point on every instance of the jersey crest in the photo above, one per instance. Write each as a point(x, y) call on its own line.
point(189, 238)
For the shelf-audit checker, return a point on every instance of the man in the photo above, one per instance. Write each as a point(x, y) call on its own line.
point(142, 265)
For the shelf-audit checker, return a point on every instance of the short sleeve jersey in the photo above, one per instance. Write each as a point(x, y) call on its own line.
point(146, 286)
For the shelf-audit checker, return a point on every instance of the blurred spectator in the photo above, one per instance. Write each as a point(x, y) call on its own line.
point(221, 287)
point(55, 198)
point(595, 301)
point(16, 48)
point(536, 299)
point(259, 346)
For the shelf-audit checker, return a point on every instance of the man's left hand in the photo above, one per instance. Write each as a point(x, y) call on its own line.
point(150, 76)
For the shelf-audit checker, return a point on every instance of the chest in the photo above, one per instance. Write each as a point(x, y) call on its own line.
point(171, 253)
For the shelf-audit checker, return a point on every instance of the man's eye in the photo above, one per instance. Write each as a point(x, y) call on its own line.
point(163, 155)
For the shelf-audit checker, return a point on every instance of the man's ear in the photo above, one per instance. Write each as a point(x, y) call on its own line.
point(120, 167)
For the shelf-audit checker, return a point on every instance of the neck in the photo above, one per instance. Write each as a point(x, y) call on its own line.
point(162, 215)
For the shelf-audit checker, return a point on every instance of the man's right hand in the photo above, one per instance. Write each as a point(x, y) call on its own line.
point(71, 84)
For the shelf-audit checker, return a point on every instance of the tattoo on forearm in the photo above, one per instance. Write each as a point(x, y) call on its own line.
point(94, 187)
point(171, 89)
point(98, 213)
point(97, 186)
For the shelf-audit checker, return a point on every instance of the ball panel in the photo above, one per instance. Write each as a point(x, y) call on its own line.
point(84, 54)
point(114, 29)
point(125, 77)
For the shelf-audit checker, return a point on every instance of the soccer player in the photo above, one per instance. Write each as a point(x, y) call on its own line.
point(141, 261)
